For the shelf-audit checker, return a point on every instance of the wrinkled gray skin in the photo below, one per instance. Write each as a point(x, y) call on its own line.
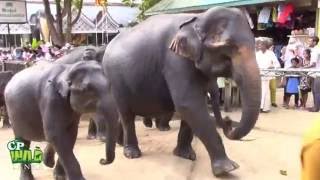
point(170, 70)
point(57, 94)
point(5, 76)
point(162, 122)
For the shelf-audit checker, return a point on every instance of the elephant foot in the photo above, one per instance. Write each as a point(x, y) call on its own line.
point(120, 141)
point(147, 122)
point(48, 158)
point(59, 173)
point(164, 127)
point(223, 166)
point(26, 177)
point(101, 137)
point(91, 136)
point(131, 152)
point(6, 126)
point(59, 177)
point(185, 152)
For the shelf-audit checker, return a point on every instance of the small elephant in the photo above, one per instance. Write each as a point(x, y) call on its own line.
point(5, 77)
point(170, 70)
point(84, 53)
point(57, 95)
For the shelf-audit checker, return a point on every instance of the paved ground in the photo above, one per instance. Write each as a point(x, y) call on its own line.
point(274, 145)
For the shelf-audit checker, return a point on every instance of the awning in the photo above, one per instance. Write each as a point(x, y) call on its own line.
point(177, 6)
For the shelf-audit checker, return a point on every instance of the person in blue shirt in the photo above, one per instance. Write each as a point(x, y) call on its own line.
point(292, 86)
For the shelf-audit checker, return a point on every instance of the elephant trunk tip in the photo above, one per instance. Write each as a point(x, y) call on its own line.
point(110, 158)
point(229, 132)
point(106, 161)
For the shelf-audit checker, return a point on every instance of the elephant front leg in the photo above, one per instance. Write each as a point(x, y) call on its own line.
point(184, 148)
point(203, 128)
point(6, 123)
point(58, 172)
point(130, 141)
point(63, 137)
point(92, 129)
point(64, 144)
point(190, 101)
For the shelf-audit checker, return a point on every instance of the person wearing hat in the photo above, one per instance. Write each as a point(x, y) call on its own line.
point(266, 59)
point(273, 81)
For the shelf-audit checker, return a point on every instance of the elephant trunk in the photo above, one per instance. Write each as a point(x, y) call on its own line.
point(247, 76)
point(110, 115)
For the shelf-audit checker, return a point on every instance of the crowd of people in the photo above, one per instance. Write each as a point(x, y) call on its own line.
point(293, 56)
point(42, 51)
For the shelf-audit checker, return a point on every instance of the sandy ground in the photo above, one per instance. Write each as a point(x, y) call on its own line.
point(273, 145)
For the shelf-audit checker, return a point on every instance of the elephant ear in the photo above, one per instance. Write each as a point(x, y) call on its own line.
point(62, 85)
point(187, 41)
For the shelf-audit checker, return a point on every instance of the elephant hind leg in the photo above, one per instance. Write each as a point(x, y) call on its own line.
point(184, 148)
point(162, 123)
point(48, 156)
point(147, 121)
point(25, 171)
point(130, 141)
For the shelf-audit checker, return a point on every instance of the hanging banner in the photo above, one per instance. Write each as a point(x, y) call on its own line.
point(13, 11)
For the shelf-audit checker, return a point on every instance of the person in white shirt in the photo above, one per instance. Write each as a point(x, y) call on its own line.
point(265, 59)
point(273, 81)
point(315, 63)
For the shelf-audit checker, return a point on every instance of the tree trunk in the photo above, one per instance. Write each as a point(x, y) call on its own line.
point(59, 21)
point(79, 13)
point(69, 19)
point(56, 33)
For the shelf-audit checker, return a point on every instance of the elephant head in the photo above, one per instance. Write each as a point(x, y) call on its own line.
point(220, 43)
point(86, 87)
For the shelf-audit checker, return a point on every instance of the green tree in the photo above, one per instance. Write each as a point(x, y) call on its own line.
point(55, 25)
point(143, 7)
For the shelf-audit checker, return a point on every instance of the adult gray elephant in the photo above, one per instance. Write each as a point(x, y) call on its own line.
point(169, 70)
point(57, 94)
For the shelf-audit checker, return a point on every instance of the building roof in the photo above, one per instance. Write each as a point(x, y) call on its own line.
point(177, 6)
point(15, 29)
point(116, 16)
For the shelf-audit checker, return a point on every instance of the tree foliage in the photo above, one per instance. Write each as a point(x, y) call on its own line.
point(143, 7)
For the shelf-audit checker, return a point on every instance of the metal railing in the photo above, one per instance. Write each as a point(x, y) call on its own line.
point(295, 72)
